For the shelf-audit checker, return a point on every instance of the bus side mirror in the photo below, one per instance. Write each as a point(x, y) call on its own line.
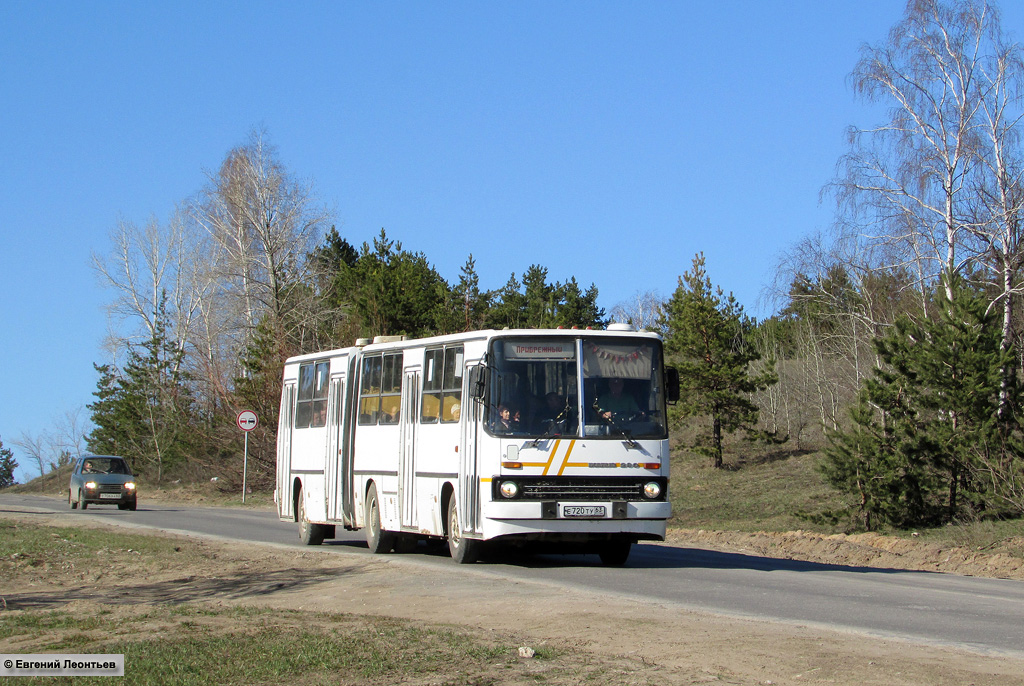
point(672, 384)
point(477, 382)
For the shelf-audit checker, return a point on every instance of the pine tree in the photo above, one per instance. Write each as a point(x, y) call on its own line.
point(7, 466)
point(707, 334)
point(394, 291)
point(467, 306)
point(144, 413)
point(927, 443)
point(576, 308)
point(110, 433)
point(508, 310)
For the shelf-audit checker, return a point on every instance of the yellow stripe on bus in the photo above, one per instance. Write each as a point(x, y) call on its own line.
point(565, 460)
point(551, 456)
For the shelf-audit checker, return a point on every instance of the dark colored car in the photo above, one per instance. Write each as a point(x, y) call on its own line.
point(102, 480)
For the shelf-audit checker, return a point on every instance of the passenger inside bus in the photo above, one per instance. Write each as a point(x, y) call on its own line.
point(554, 416)
point(507, 420)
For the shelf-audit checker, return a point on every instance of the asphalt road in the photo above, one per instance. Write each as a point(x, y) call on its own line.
point(985, 615)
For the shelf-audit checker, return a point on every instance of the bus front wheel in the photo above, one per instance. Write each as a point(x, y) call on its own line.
point(464, 550)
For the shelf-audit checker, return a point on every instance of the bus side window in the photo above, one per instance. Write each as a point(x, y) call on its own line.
point(451, 384)
point(391, 389)
point(369, 390)
point(311, 403)
point(433, 369)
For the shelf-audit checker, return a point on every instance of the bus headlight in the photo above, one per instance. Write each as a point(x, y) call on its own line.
point(509, 489)
point(652, 490)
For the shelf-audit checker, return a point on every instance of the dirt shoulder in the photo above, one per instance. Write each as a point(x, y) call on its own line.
point(604, 637)
point(858, 550)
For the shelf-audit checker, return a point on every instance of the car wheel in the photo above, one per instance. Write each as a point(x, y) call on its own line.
point(464, 550)
point(132, 505)
point(378, 540)
point(85, 505)
point(72, 503)
point(309, 533)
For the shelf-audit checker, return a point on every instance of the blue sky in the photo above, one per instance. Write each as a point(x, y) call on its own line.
point(605, 141)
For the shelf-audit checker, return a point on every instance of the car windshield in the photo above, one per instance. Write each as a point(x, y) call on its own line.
point(537, 385)
point(105, 465)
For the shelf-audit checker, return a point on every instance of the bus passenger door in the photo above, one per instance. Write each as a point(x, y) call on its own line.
point(469, 478)
point(284, 453)
point(407, 460)
point(332, 470)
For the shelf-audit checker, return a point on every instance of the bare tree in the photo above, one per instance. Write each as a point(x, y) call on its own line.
point(39, 447)
point(152, 267)
point(908, 183)
point(265, 224)
point(641, 311)
point(70, 431)
point(999, 234)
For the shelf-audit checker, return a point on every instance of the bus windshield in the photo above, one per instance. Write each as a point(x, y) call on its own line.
point(586, 386)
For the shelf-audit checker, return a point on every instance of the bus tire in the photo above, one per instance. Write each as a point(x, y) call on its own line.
point(464, 550)
point(309, 533)
point(615, 553)
point(378, 540)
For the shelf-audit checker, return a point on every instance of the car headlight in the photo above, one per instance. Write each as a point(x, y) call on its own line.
point(652, 490)
point(129, 485)
point(90, 485)
point(509, 489)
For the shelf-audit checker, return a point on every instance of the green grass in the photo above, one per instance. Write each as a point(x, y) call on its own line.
point(785, 492)
point(198, 646)
point(58, 544)
point(206, 642)
point(778, 492)
point(252, 646)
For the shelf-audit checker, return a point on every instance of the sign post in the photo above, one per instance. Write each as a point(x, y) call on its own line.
point(246, 421)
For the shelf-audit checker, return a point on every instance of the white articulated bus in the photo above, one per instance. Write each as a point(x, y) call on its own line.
point(538, 435)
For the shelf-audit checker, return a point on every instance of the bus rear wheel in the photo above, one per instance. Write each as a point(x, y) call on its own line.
point(309, 533)
point(464, 550)
point(378, 540)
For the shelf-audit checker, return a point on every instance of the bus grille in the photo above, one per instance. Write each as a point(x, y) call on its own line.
point(576, 488)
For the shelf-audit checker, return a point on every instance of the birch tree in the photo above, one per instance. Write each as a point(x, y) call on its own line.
point(908, 182)
point(152, 267)
point(265, 223)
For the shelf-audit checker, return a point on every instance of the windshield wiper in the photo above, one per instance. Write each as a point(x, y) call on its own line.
point(552, 430)
point(623, 431)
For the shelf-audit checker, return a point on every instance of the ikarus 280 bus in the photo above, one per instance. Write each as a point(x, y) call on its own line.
point(535, 435)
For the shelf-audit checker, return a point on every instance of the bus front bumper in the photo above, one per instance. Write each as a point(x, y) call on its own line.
point(577, 510)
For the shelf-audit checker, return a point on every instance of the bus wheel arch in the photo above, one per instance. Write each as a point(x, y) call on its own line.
point(296, 496)
point(447, 491)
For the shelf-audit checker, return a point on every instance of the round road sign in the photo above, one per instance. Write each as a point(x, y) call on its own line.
point(247, 420)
